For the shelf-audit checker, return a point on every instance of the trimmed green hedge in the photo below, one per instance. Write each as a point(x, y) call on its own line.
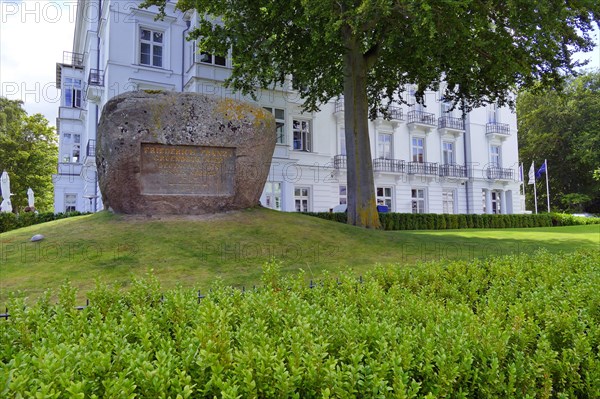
point(513, 327)
point(433, 221)
point(10, 221)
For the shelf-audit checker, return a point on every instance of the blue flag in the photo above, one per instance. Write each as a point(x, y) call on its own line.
point(540, 171)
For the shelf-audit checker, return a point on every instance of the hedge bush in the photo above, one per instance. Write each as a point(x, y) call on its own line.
point(11, 221)
point(412, 221)
point(513, 327)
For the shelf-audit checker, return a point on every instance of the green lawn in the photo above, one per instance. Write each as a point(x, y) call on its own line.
point(234, 246)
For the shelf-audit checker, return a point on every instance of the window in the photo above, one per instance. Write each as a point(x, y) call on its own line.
point(70, 202)
point(448, 201)
point(483, 201)
point(75, 155)
point(77, 138)
point(208, 58)
point(384, 196)
point(279, 115)
point(384, 145)
point(418, 149)
point(418, 200)
point(448, 152)
point(302, 135)
point(151, 47)
point(72, 92)
point(342, 141)
point(493, 114)
point(495, 202)
point(495, 156)
point(446, 106)
point(273, 195)
point(343, 195)
point(301, 199)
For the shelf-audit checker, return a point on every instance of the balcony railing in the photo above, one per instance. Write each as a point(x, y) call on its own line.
point(497, 128)
point(96, 77)
point(450, 122)
point(389, 165)
point(339, 106)
point(339, 162)
point(453, 170)
point(423, 168)
point(74, 59)
point(393, 113)
point(421, 117)
point(497, 173)
point(91, 148)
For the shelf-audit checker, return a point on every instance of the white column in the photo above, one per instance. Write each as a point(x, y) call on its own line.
point(509, 202)
point(503, 204)
point(488, 201)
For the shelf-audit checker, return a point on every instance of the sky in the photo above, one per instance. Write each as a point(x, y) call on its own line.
point(33, 36)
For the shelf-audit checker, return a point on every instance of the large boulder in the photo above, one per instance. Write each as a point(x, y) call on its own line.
point(182, 153)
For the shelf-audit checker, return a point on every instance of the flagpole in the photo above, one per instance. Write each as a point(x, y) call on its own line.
point(523, 181)
point(534, 190)
point(547, 185)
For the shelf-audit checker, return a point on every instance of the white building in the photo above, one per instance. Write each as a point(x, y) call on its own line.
point(425, 158)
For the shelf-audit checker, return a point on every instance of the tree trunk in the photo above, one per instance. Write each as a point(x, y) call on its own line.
point(362, 207)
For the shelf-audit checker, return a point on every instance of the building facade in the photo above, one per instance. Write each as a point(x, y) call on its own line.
point(426, 158)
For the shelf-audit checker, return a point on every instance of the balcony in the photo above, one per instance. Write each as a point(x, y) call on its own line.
point(339, 106)
point(393, 114)
point(95, 86)
point(90, 150)
point(96, 77)
point(497, 173)
point(451, 125)
point(497, 130)
point(423, 168)
point(339, 162)
point(72, 59)
point(453, 170)
point(421, 120)
point(389, 165)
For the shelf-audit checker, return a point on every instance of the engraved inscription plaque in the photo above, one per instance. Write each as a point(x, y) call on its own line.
point(187, 170)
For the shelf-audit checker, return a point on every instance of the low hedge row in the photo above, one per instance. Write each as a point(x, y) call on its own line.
point(10, 221)
point(513, 327)
point(432, 221)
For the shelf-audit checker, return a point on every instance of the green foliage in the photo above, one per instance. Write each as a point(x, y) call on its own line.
point(10, 221)
point(519, 326)
point(472, 52)
point(412, 221)
point(563, 126)
point(29, 153)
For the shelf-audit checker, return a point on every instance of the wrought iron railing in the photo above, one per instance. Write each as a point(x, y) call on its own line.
point(91, 148)
point(339, 162)
point(497, 128)
point(389, 165)
point(74, 59)
point(498, 173)
point(425, 118)
point(339, 106)
point(393, 113)
point(423, 168)
point(451, 122)
point(453, 170)
point(96, 77)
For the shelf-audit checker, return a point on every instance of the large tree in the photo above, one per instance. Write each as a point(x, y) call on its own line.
point(369, 50)
point(29, 153)
point(563, 126)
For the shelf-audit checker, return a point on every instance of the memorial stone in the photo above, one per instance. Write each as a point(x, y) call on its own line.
point(182, 153)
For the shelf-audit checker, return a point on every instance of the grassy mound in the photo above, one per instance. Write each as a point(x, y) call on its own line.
point(519, 326)
point(195, 251)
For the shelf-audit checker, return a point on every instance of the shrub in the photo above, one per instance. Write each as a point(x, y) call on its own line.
point(446, 329)
point(10, 221)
